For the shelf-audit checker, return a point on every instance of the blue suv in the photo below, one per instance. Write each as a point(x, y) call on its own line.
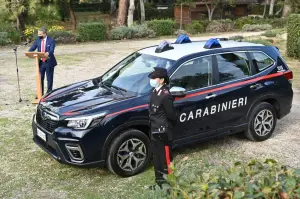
point(220, 87)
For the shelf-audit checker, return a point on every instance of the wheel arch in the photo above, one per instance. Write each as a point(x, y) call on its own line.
point(142, 126)
point(271, 99)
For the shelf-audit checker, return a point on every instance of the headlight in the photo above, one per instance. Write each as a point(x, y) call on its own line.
point(83, 122)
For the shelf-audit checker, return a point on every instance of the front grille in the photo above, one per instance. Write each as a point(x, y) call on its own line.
point(45, 122)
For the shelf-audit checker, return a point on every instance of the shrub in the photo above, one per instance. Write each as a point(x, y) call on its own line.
point(137, 31)
point(236, 38)
point(241, 180)
point(92, 31)
point(179, 32)
point(269, 34)
point(240, 22)
point(30, 31)
point(121, 32)
point(4, 39)
point(56, 28)
point(256, 27)
point(220, 26)
point(63, 36)
point(194, 28)
point(260, 41)
point(293, 32)
point(14, 36)
point(162, 27)
point(142, 31)
point(278, 22)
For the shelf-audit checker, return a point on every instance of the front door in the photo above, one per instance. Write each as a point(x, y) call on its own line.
point(196, 111)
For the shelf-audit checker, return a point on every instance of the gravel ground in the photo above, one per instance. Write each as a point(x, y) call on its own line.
point(83, 61)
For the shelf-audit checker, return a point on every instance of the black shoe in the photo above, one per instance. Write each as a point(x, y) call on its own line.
point(154, 187)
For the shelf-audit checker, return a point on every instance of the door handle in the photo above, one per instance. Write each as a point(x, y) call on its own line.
point(210, 96)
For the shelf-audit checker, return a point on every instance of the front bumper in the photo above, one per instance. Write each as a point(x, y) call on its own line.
point(56, 147)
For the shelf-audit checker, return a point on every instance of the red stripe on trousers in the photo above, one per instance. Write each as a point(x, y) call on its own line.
point(168, 158)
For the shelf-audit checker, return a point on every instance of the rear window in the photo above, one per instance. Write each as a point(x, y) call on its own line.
point(232, 66)
point(261, 61)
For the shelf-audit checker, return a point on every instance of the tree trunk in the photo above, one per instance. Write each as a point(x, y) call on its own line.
point(21, 22)
point(130, 13)
point(265, 10)
point(271, 11)
point(143, 15)
point(287, 8)
point(279, 11)
point(113, 6)
point(210, 10)
point(72, 15)
point(122, 12)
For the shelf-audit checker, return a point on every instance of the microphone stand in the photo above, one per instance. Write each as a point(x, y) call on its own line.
point(16, 57)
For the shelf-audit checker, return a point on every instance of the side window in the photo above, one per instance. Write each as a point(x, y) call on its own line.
point(193, 74)
point(261, 61)
point(233, 66)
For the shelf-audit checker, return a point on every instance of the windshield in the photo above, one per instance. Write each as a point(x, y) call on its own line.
point(132, 73)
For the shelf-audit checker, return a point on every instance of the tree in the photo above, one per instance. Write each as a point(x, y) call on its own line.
point(143, 15)
point(271, 11)
point(122, 12)
point(18, 10)
point(72, 14)
point(211, 5)
point(130, 13)
point(290, 6)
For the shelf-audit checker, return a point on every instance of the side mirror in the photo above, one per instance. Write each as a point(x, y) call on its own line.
point(178, 91)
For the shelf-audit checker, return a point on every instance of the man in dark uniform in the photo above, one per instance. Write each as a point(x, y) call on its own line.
point(162, 119)
point(45, 44)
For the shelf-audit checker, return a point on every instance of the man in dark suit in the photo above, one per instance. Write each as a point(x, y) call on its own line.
point(45, 44)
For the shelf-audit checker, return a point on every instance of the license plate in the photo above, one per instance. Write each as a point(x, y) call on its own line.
point(41, 134)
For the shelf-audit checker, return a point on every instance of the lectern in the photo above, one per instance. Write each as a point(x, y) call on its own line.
point(37, 56)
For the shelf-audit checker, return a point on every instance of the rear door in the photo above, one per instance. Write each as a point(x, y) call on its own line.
point(235, 90)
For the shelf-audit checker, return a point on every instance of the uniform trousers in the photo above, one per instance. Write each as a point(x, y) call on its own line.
point(162, 157)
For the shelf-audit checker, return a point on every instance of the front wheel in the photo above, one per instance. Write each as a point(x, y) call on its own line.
point(262, 122)
point(129, 153)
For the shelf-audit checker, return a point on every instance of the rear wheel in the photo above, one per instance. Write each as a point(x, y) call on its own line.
point(129, 153)
point(262, 122)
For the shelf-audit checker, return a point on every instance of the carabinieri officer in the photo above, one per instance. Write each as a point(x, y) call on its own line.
point(45, 44)
point(162, 119)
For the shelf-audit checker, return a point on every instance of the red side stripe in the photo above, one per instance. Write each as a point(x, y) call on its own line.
point(232, 85)
point(73, 112)
point(168, 159)
point(129, 109)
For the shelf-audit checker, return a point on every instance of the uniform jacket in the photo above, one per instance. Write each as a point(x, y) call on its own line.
point(50, 46)
point(162, 113)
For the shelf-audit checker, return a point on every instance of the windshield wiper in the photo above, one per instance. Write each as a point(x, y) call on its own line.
point(118, 88)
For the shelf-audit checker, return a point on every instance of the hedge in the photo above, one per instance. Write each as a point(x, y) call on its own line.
point(293, 36)
point(162, 27)
point(194, 28)
point(93, 31)
point(137, 31)
point(63, 37)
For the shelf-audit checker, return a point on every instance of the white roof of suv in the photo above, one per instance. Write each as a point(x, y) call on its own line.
point(181, 50)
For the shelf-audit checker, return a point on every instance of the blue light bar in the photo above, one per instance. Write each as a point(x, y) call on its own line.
point(164, 46)
point(183, 38)
point(212, 43)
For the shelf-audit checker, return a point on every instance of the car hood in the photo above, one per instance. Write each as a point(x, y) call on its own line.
point(80, 97)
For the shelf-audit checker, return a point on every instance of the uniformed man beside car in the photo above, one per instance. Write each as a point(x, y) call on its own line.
point(163, 117)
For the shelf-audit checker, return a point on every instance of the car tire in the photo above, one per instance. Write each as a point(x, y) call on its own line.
point(262, 122)
point(129, 153)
